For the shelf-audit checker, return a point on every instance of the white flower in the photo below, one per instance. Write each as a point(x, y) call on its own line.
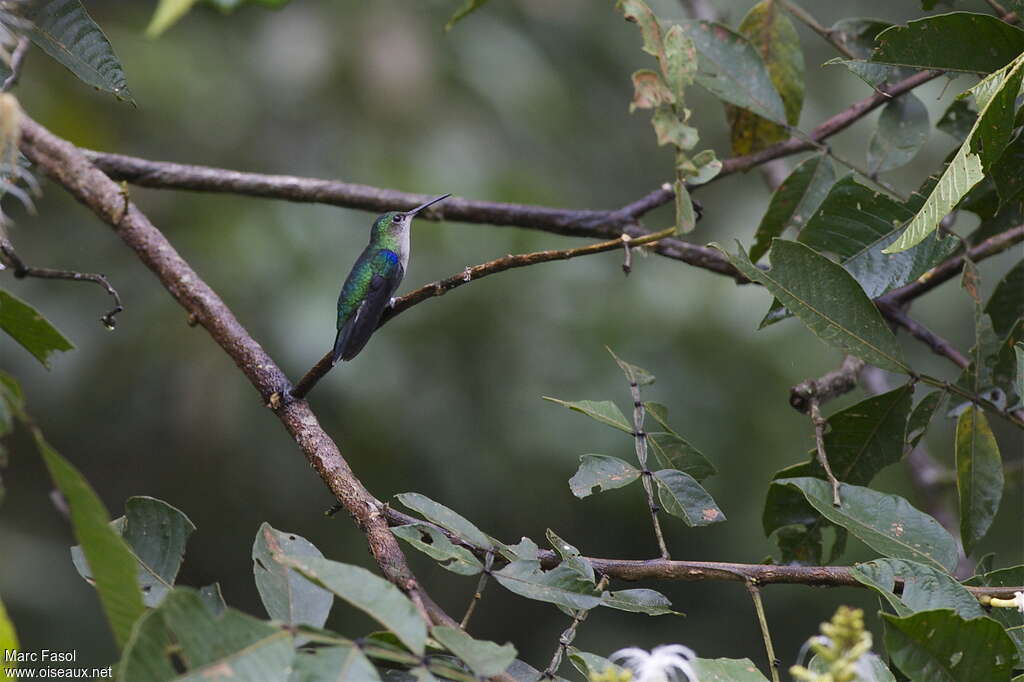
point(666, 663)
point(1016, 603)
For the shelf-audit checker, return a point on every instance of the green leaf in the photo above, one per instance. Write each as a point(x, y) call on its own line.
point(958, 119)
point(683, 497)
point(560, 585)
point(338, 662)
point(1012, 620)
point(924, 588)
point(1018, 350)
point(483, 658)
point(436, 545)
point(680, 62)
point(959, 41)
point(828, 300)
point(8, 642)
point(863, 439)
point(673, 452)
point(732, 70)
point(1006, 173)
point(991, 131)
point(212, 598)
point(979, 476)
point(591, 665)
point(29, 328)
point(369, 593)
point(794, 201)
point(156, 533)
point(634, 375)
point(286, 595)
point(726, 670)
point(182, 636)
point(571, 557)
point(773, 35)
point(637, 12)
point(467, 8)
point(886, 523)
point(66, 32)
point(702, 167)
point(921, 417)
point(902, 130)
point(601, 472)
point(941, 646)
point(114, 567)
point(686, 220)
point(857, 224)
point(670, 130)
point(651, 602)
point(1006, 304)
point(450, 520)
point(604, 411)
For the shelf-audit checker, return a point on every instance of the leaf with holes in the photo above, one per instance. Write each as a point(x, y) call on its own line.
point(601, 472)
point(446, 518)
point(886, 523)
point(437, 546)
point(157, 533)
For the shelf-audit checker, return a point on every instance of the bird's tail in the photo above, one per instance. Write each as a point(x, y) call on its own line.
point(339, 346)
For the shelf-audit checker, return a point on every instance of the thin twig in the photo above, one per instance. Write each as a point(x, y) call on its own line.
point(820, 423)
point(17, 62)
point(21, 271)
point(569, 634)
point(936, 343)
point(470, 274)
point(755, 596)
point(828, 34)
point(479, 592)
point(1009, 415)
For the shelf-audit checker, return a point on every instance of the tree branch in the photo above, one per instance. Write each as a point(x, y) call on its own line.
point(469, 274)
point(67, 166)
point(633, 570)
point(936, 343)
point(828, 386)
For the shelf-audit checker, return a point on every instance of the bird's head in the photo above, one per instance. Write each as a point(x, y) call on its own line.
point(394, 223)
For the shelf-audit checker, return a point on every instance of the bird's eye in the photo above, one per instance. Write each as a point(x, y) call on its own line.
point(399, 218)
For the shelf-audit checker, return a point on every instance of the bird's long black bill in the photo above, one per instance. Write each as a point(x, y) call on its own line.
point(429, 203)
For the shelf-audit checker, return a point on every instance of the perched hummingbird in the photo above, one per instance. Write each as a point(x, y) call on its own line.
point(373, 280)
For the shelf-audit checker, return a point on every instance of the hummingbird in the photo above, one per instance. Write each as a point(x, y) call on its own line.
point(372, 282)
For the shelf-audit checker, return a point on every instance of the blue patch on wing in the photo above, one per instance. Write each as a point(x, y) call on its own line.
point(390, 255)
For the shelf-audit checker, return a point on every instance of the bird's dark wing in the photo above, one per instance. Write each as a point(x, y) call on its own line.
point(353, 335)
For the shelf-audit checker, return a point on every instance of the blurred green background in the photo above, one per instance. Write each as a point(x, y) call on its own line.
point(525, 101)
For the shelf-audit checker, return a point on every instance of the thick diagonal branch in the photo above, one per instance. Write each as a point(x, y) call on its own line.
point(68, 167)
